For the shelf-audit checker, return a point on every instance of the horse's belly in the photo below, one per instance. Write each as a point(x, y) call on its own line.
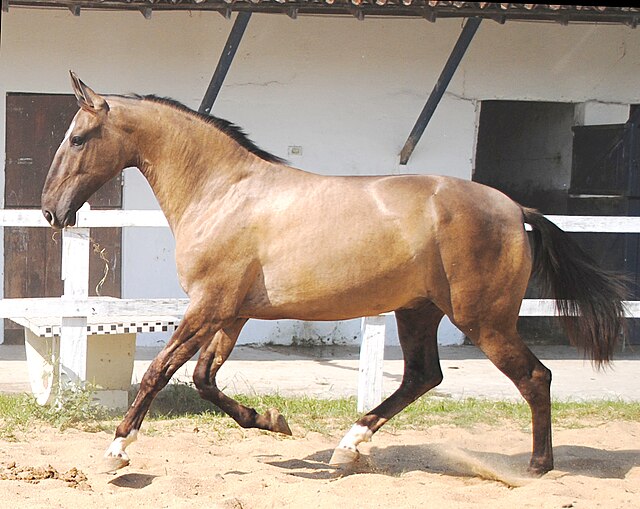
point(336, 294)
point(359, 251)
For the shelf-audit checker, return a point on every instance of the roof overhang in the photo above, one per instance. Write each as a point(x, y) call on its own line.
point(430, 10)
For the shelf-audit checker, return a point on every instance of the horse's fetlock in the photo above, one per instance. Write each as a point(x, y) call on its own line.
point(247, 417)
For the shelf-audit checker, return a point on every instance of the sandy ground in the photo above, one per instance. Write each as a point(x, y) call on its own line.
point(444, 466)
point(176, 466)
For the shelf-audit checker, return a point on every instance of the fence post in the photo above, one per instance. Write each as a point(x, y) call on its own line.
point(371, 362)
point(73, 330)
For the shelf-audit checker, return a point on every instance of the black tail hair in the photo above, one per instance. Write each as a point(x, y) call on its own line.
point(588, 298)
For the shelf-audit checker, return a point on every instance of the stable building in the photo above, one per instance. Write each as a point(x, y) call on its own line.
point(537, 100)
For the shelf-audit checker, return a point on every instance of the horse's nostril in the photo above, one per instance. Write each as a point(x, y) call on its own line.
point(48, 216)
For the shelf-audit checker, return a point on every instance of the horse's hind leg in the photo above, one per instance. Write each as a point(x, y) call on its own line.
point(211, 359)
point(417, 329)
point(504, 347)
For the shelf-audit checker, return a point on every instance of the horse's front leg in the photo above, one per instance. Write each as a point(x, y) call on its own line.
point(212, 357)
point(185, 342)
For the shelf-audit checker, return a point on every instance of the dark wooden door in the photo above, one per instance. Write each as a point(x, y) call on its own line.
point(36, 124)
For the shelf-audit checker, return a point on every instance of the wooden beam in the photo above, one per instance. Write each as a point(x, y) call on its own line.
point(73, 329)
point(155, 218)
point(371, 362)
point(469, 30)
point(86, 218)
point(230, 48)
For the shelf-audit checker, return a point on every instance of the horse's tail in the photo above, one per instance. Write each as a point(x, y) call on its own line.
point(588, 298)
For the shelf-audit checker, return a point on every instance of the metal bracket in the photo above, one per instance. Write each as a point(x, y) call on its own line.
point(230, 48)
point(469, 30)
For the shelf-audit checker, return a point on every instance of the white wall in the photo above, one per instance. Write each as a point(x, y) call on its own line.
point(347, 92)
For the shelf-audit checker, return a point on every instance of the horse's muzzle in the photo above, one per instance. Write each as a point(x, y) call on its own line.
point(69, 219)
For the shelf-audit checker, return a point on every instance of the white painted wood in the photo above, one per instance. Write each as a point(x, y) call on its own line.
point(371, 363)
point(87, 218)
point(73, 330)
point(538, 307)
point(42, 365)
point(155, 218)
point(75, 262)
point(73, 350)
point(121, 218)
point(97, 307)
point(19, 217)
point(597, 224)
point(91, 307)
point(49, 326)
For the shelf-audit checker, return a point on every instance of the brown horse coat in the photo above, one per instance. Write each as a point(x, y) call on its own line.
point(256, 238)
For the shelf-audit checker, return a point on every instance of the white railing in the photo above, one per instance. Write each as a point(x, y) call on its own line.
point(75, 306)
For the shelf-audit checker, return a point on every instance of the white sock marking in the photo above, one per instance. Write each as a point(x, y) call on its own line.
point(355, 436)
point(117, 447)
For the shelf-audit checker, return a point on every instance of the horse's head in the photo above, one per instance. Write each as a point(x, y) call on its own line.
point(93, 151)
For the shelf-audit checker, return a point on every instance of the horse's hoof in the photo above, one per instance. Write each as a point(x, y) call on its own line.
point(113, 463)
point(538, 470)
point(342, 457)
point(278, 422)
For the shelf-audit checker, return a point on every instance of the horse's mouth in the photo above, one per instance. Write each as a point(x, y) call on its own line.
point(69, 219)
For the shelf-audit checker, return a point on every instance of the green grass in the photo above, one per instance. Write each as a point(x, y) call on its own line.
point(20, 413)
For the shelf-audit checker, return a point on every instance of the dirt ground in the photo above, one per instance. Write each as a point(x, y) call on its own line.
point(177, 466)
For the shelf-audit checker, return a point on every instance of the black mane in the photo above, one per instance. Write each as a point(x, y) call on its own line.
point(229, 128)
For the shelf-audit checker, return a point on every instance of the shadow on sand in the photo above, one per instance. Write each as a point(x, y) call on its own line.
point(445, 459)
point(133, 481)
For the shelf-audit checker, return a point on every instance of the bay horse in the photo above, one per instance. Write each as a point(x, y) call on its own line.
point(256, 238)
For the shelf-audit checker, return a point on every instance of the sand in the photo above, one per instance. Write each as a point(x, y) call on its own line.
point(175, 465)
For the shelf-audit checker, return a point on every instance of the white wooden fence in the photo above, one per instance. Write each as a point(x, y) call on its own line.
point(75, 306)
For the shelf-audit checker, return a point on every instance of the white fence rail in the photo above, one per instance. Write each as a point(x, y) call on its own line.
point(75, 306)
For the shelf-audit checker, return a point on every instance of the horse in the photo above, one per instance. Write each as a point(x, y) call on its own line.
point(256, 238)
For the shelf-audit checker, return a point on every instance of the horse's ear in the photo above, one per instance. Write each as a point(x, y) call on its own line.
point(88, 100)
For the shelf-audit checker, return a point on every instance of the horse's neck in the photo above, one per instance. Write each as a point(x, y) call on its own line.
point(190, 163)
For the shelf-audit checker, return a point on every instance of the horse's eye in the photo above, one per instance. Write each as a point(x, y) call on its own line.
point(77, 141)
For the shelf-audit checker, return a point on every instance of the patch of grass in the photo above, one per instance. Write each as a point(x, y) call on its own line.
point(576, 414)
point(328, 416)
point(430, 411)
point(179, 401)
point(75, 408)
